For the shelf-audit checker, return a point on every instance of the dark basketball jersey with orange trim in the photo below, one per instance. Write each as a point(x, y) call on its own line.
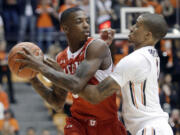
point(80, 108)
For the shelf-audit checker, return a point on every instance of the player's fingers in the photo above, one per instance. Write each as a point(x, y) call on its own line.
point(112, 32)
point(47, 63)
point(51, 60)
point(26, 50)
point(40, 53)
point(23, 54)
point(23, 67)
point(105, 30)
point(21, 61)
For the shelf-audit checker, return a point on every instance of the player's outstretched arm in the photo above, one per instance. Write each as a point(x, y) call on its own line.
point(97, 93)
point(98, 56)
point(55, 96)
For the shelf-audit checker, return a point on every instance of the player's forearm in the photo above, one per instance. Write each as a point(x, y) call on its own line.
point(91, 94)
point(97, 93)
point(49, 95)
point(64, 81)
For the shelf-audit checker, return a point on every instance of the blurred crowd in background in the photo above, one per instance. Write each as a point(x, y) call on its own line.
point(38, 21)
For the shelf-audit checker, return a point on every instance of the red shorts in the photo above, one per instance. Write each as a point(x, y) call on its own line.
point(93, 127)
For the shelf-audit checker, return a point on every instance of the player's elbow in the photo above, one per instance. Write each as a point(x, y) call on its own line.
point(58, 108)
point(76, 87)
point(94, 99)
point(56, 105)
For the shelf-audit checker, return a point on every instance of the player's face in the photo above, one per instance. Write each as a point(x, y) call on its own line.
point(79, 25)
point(137, 32)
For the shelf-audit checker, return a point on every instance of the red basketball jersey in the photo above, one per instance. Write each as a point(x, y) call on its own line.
point(80, 108)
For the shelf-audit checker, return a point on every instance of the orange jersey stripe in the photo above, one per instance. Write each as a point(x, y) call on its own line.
point(142, 97)
point(134, 95)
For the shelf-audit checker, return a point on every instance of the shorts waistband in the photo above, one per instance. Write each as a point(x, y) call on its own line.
point(95, 122)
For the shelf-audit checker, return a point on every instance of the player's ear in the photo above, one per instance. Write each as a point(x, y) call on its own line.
point(148, 35)
point(65, 28)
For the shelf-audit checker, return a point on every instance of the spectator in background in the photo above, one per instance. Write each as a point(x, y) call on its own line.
point(27, 19)
point(44, 24)
point(175, 120)
point(45, 132)
point(55, 4)
point(104, 13)
point(67, 4)
point(60, 133)
point(30, 131)
point(7, 129)
point(167, 11)
point(121, 48)
point(55, 16)
point(166, 55)
point(2, 39)
point(84, 5)
point(4, 69)
point(11, 22)
point(53, 51)
point(116, 6)
point(4, 98)
point(175, 18)
point(176, 71)
point(9, 123)
point(1, 111)
point(1, 1)
point(153, 3)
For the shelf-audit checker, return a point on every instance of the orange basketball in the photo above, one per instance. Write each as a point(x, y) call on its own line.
point(26, 73)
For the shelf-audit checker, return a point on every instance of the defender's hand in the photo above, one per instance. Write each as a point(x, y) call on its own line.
point(107, 35)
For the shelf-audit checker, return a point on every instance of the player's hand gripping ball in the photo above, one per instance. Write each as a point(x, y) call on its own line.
point(15, 67)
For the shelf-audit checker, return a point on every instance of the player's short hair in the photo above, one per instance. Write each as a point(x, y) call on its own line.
point(65, 15)
point(156, 24)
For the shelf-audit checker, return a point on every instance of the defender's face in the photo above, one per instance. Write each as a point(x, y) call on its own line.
point(79, 25)
point(137, 32)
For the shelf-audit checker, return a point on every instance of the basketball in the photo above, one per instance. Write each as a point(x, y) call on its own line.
point(26, 73)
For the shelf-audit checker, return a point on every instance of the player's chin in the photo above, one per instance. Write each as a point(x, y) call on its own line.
point(130, 38)
point(86, 36)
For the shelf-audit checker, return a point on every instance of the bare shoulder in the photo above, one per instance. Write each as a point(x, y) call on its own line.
point(98, 48)
point(99, 43)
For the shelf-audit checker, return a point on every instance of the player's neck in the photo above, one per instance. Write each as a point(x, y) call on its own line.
point(75, 45)
point(142, 45)
point(138, 46)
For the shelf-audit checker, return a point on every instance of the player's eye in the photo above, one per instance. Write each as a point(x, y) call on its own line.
point(78, 21)
point(136, 25)
point(88, 20)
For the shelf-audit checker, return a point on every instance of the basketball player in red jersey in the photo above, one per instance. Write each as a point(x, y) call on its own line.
point(82, 53)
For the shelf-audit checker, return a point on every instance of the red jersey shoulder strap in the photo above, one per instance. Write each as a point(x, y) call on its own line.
point(61, 55)
point(87, 43)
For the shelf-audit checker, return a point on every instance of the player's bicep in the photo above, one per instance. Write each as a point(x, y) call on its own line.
point(95, 54)
point(87, 68)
